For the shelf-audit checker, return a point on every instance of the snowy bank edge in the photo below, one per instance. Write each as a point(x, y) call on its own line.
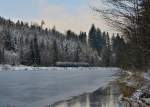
point(31, 68)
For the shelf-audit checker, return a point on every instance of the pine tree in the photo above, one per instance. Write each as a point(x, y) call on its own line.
point(54, 29)
point(92, 35)
point(34, 52)
point(106, 54)
point(37, 51)
point(71, 35)
point(2, 56)
point(120, 49)
point(83, 37)
point(104, 39)
point(55, 52)
point(32, 56)
point(77, 57)
point(99, 41)
point(95, 39)
point(23, 61)
point(8, 42)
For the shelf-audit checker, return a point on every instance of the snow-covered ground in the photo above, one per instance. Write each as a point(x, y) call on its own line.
point(147, 75)
point(31, 68)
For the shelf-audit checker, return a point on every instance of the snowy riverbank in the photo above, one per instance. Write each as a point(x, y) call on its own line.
point(135, 87)
point(31, 68)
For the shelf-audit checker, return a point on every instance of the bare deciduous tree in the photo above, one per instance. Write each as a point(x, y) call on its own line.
point(130, 17)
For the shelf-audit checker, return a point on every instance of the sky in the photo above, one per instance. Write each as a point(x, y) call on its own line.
point(63, 14)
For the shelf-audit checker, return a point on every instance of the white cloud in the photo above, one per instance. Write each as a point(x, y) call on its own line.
point(78, 20)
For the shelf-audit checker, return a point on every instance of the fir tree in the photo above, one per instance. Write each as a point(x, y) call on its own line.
point(37, 52)
point(55, 52)
point(8, 42)
point(77, 53)
point(106, 54)
point(2, 56)
point(71, 35)
point(83, 37)
point(96, 39)
point(99, 41)
point(34, 52)
point(92, 37)
point(54, 29)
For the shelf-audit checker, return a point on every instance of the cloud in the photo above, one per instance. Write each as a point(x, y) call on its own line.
point(78, 19)
point(64, 14)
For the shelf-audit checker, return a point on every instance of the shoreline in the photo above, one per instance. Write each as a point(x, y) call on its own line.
point(116, 89)
point(135, 89)
point(93, 98)
point(32, 68)
point(84, 95)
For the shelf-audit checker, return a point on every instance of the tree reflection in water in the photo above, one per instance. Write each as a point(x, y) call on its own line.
point(103, 97)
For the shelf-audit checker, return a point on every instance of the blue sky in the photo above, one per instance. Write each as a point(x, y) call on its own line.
point(18, 8)
point(64, 14)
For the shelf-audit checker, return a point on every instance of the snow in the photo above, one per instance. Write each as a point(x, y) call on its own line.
point(72, 64)
point(136, 95)
point(31, 68)
point(147, 75)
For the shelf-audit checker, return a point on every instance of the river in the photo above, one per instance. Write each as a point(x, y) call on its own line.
point(55, 86)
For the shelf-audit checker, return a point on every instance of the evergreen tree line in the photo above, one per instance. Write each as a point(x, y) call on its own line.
point(111, 49)
point(132, 19)
point(35, 46)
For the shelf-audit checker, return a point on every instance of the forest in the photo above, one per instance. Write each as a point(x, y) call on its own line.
point(132, 19)
point(33, 45)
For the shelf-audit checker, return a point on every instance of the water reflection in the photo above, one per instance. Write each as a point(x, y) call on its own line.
point(103, 97)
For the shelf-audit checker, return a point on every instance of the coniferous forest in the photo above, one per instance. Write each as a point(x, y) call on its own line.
point(132, 19)
point(43, 67)
point(33, 45)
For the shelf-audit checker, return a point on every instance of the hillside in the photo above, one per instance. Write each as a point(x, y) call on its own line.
point(26, 44)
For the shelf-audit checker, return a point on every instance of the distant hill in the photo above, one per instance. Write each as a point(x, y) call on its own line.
point(21, 43)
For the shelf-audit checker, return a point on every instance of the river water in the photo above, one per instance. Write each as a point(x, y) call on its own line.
point(39, 88)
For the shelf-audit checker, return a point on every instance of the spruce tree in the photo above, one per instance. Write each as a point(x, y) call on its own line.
point(77, 53)
point(2, 56)
point(83, 37)
point(92, 37)
point(37, 51)
point(8, 42)
point(106, 50)
point(99, 40)
point(119, 48)
point(34, 52)
point(55, 52)
point(96, 39)
point(32, 56)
